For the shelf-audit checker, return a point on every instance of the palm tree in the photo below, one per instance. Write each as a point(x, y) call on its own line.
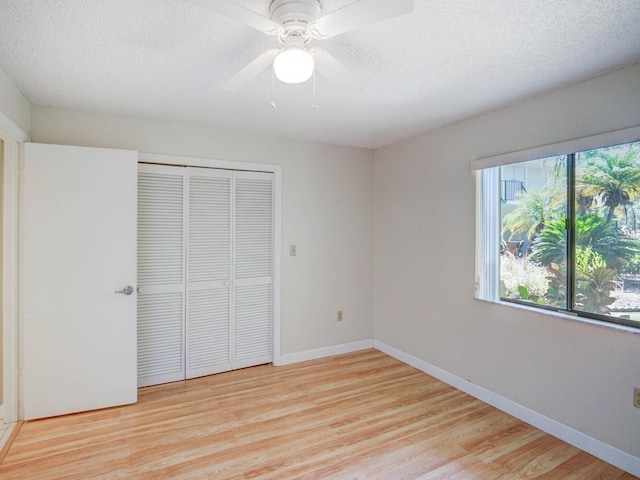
point(533, 212)
point(614, 179)
point(591, 232)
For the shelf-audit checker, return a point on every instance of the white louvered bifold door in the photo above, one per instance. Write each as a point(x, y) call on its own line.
point(161, 286)
point(205, 271)
point(208, 272)
point(253, 269)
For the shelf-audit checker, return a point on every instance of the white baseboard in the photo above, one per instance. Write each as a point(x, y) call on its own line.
point(289, 358)
point(597, 448)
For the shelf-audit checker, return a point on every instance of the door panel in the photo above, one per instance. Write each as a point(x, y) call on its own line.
point(253, 225)
point(253, 325)
point(253, 262)
point(161, 254)
point(209, 272)
point(160, 333)
point(79, 246)
point(208, 333)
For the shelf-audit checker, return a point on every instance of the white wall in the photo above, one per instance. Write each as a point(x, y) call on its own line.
point(15, 110)
point(579, 374)
point(327, 212)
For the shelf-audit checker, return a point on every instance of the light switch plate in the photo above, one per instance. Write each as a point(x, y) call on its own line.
point(293, 250)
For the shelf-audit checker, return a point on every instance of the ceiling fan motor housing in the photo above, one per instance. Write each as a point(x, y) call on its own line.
point(294, 15)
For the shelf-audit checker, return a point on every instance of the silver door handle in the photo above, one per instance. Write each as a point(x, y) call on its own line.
point(128, 290)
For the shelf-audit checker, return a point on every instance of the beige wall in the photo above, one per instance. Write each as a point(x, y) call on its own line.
point(577, 373)
point(327, 212)
point(13, 105)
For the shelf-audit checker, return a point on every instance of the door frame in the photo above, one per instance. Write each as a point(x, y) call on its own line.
point(10, 326)
point(276, 170)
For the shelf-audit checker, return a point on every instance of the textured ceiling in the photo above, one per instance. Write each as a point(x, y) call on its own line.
point(445, 61)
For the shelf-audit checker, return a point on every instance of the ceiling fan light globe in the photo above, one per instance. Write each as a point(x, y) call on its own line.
point(293, 65)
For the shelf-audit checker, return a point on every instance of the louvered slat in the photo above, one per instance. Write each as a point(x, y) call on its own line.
point(208, 346)
point(160, 342)
point(160, 275)
point(214, 340)
point(254, 227)
point(209, 273)
point(253, 322)
point(253, 255)
point(209, 228)
point(160, 229)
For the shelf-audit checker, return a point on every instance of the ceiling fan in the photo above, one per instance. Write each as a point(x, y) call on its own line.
point(296, 23)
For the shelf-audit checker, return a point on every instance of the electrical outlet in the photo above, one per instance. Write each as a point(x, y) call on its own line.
point(339, 315)
point(636, 397)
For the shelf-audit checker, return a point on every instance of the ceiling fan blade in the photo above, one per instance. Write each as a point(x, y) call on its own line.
point(332, 69)
point(360, 13)
point(241, 14)
point(245, 75)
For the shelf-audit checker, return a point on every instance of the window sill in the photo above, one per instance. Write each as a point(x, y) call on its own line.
point(565, 316)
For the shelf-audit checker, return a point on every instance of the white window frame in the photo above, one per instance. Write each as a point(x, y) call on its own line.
point(488, 215)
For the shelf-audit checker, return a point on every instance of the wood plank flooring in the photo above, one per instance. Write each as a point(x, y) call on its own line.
point(357, 416)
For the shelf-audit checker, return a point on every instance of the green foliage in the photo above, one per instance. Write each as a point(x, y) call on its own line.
point(550, 246)
point(524, 295)
point(632, 267)
point(593, 281)
point(523, 292)
point(533, 212)
point(591, 231)
point(522, 279)
point(592, 286)
point(557, 291)
point(614, 179)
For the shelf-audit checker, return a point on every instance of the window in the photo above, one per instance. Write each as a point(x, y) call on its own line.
point(563, 233)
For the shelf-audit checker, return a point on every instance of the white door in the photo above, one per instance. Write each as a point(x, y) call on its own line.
point(79, 247)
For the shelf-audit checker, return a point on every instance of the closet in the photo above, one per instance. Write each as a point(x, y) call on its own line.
point(205, 271)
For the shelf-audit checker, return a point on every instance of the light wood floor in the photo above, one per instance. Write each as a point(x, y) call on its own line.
point(356, 416)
